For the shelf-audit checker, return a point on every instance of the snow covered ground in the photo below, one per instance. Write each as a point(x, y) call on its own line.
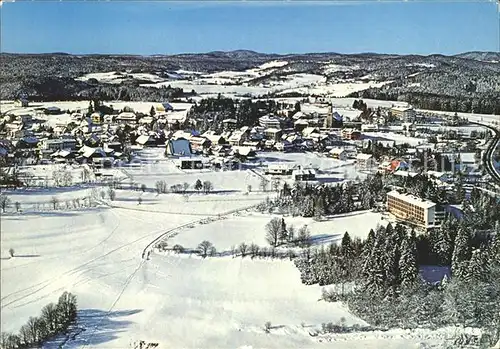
point(251, 228)
point(143, 107)
point(374, 103)
point(396, 137)
point(179, 301)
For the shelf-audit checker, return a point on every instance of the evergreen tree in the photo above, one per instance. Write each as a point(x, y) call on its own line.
point(319, 207)
point(198, 185)
point(283, 234)
point(478, 267)
point(346, 246)
point(441, 245)
point(366, 253)
point(408, 263)
point(392, 259)
point(90, 109)
point(461, 253)
point(152, 111)
point(375, 268)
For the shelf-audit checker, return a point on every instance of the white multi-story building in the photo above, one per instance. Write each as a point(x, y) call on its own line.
point(412, 209)
point(405, 113)
point(270, 121)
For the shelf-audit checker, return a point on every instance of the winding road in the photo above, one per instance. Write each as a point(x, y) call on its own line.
point(488, 155)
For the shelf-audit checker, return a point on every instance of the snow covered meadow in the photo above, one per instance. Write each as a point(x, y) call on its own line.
point(177, 300)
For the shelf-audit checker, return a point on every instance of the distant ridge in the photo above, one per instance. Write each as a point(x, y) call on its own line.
point(480, 56)
point(486, 56)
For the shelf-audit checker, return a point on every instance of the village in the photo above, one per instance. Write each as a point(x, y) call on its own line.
point(394, 140)
point(208, 186)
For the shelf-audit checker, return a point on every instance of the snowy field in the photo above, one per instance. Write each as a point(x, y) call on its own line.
point(179, 301)
point(374, 103)
point(251, 228)
point(142, 107)
point(396, 137)
point(330, 169)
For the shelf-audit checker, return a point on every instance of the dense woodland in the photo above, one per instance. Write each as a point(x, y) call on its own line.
point(318, 201)
point(463, 83)
point(484, 103)
point(382, 279)
point(211, 111)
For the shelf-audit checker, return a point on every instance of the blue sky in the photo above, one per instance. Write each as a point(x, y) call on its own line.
point(167, 27)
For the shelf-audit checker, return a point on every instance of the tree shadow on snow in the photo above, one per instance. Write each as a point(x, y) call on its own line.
point(329, 180)
point(49, 190)
point(324, 239)
point(272, 159)
point(52, 214)
point(131, 199)
point(94, 327)
point(348, 214)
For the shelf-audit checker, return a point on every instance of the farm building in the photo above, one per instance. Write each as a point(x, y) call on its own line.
point(189, 163)
point(178, 147)
point(338, 153)
point(164, 107)
point(145, 140)
point(304, 175)
point(280, 169)
point(365, 160)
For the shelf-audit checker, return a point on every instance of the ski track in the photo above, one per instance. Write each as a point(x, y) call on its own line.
point(168, 234)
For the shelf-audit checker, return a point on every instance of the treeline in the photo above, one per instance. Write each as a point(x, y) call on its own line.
point(53, 320)
point(384, 279)
point(317, 201)
point(211, 111)
point(383, 282)
point(481, 103)
point(58, 88)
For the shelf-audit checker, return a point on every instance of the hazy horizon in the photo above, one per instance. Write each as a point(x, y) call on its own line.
point(246, 50)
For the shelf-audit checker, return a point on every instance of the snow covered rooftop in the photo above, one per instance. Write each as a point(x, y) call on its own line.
point(363, 156)
point(411, 199)
point(337, 151)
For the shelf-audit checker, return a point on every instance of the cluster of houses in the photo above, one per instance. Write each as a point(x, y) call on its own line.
point(100, 138)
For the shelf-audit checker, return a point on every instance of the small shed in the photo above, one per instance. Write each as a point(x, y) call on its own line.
point(145, 141)
point(304, 175)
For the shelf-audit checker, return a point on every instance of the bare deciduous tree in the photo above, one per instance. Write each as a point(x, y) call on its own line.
point(204, 248)
point(54, 201)
point(242, 248)
point(275, 184)
point(291, 233)
point(267, 327)
point(254, 250)
point(263, 184)
point(273, 229)
point(304, 236)
point(207, 187)
point(161, 187)
point(4, 202)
